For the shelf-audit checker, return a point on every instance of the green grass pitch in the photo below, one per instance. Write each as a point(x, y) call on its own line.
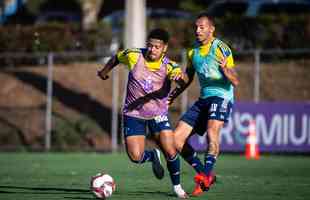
point(66, 176)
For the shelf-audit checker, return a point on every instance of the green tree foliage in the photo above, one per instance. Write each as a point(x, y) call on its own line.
point(192, 6)
point(34, 6)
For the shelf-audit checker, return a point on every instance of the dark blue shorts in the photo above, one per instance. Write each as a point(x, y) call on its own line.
point(205, 109)
point(136, 126)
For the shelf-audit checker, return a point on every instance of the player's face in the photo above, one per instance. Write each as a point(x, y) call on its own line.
point(155, 49)
point(204, 30)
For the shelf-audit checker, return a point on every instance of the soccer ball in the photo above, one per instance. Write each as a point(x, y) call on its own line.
point(102, 185)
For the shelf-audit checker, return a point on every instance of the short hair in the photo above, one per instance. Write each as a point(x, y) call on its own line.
point(159, 34)
point(207, 15)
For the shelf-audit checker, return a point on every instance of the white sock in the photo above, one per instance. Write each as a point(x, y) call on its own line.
point(178, 190)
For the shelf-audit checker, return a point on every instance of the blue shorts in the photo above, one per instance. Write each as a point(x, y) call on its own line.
point(205, 109)
point(136, 126)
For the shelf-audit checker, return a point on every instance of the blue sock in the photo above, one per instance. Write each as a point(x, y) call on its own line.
point(190, 156)
point(209, 163)
point(173, 165)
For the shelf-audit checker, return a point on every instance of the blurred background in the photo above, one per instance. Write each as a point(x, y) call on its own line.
point(51, 98)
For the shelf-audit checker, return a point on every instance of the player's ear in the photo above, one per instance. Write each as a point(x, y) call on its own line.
point(165, 48)
point(212, 28)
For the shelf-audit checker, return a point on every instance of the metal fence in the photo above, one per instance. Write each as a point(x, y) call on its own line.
point(62, 89)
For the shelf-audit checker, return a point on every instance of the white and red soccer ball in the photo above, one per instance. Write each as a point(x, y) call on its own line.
point(102, 185)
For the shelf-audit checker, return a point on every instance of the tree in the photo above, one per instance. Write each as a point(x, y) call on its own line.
point(194, 6)
point(90, 10)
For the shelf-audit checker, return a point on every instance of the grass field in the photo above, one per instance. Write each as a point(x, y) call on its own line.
point(66, 176)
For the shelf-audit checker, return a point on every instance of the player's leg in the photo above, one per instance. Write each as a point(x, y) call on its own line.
point(200, 127)
point(205, 180)
point(173, 161)
point(218, 113)
point(134, 131)
point(213, 138)
point(189, 154)
point(182, 132)
point(135, 149)
point(165, 140)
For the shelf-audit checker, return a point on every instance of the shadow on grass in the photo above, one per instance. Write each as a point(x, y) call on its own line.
point(40, 190)
point(80, 198)
point(159, 194)
point(74, 192)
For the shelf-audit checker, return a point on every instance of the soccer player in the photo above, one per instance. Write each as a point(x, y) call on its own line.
point(212, 60)
point(146, 105)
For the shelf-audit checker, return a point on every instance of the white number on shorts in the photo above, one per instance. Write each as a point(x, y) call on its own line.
point(161, 118)
point(213, 108)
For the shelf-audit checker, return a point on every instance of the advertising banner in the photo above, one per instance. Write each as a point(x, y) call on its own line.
point(279, 127)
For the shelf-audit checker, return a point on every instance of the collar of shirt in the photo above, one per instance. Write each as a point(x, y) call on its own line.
point(205, 48)
point(154, 65)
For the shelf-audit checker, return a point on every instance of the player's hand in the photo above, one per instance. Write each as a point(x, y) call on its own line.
point(102, 76)
point(170, 101)
point(228, 72)
point(171, 97)
point(223, 63)
point(177, 76)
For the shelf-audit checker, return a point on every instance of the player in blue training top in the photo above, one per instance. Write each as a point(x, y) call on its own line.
point(212, 61)
point(146, 104)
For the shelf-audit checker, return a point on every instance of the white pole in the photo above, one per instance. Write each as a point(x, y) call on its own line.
point(257, 76)
point(115, 97)
point(48, 116)
point(184, 95)
point(135, 24)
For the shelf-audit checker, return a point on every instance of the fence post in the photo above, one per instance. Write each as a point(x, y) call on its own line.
point(184, 95)
point(49, 99)
point(115, 97)
point(257, 75)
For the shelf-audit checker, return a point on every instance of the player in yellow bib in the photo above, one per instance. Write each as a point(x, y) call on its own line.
point(212, 61)
point(146, 104)
point(130, 58)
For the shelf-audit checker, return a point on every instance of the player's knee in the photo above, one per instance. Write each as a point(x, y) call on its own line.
point(171, 153)
point(135, 156)
point(179, 145)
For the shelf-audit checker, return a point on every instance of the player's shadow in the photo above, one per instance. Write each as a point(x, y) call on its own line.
point(48, 189)
point(160, 194)
point(85, 198)
point(72, 193)
point(44, 190)
point(75, 100)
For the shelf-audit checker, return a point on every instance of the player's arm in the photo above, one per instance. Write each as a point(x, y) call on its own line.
point(230, 73)
point(103, 73)
point(175, 72)
point(182, 84)
point(128, 57)
point(227, 64)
